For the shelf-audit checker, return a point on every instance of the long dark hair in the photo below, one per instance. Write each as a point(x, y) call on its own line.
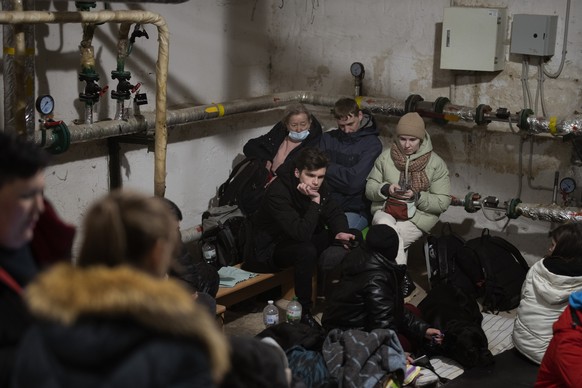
point(568, 238)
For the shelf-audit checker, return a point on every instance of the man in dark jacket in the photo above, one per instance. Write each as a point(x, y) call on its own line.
point(352, 148)
point(290, 227)
point(22, 167)
point(368, 296)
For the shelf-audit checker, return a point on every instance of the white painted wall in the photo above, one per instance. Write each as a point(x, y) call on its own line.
point(231, 49)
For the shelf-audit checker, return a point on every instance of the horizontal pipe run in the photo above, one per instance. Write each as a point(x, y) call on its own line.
point(146, 121)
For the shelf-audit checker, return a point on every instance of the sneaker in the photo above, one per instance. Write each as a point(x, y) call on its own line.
point(310, 321)
point(408, 285)
point(426, 378)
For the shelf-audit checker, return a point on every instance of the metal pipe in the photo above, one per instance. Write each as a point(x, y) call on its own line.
point(144, 122)
point(142, 17)
point(549, 212)
point(18, 70)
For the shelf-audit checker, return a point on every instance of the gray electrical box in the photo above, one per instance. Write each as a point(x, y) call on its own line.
point(534, 34)
point(473, 38)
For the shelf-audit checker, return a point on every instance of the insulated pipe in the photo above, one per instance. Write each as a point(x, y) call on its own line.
point(104, 129)
point(552, 213)
point(18, 70)
point(472, 202)
point(119, 73)
point(142, 17)
point(88, 66)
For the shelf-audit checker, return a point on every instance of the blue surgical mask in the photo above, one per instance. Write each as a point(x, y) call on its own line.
point(299, 136)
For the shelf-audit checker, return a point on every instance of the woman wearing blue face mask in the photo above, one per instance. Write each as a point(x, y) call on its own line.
point(298, 129)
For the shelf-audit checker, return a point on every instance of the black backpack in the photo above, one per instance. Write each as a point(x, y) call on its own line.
point(496, 270)
point(229, 232)
point(245, 186)
point(440, 252)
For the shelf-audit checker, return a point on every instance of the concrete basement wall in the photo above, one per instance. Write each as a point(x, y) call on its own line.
point(231, 49)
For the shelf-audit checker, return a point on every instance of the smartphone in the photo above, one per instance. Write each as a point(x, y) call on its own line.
point(419, 359)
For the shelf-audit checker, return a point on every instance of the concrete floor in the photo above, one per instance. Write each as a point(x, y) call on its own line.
point(247, 318)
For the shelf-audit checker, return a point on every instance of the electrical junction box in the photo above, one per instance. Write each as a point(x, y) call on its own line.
point(534, 34)
point(473, 38)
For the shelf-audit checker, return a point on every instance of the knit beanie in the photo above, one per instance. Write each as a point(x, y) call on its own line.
point(411, 124)
point(384, 240)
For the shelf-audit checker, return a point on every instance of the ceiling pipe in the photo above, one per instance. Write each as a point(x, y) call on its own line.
point(142, 17)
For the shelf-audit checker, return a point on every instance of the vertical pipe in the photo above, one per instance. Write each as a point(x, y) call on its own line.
point(8, 71)
point(19, 74)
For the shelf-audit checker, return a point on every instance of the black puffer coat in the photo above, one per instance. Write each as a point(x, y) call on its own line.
point(286, 215)
point(368, 297)
point(265, 147)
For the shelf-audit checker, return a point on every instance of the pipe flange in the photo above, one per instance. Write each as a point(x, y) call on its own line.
point(121, 75)
point(439, 104)
point(439, 107)
point(512, 208)
point(411, 101)
point(469, 205)
point(62, 139)
point(88, 76)
point(480, 114)
point(523, 115)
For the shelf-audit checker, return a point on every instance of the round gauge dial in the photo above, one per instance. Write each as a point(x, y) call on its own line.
point(45, 104)
point(357, 69)
point(567, 185)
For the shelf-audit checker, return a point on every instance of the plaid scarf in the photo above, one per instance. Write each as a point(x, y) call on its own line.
point(417, 178)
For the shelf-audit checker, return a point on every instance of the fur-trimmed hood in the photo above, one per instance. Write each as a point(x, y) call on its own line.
point(66, 294)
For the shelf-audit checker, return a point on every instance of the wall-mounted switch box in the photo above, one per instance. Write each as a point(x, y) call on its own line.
point(473, 38)
point(534, 34)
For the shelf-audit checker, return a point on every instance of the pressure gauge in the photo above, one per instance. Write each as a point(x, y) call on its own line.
point(567, 185)
point(45, 104)
point(357, 69)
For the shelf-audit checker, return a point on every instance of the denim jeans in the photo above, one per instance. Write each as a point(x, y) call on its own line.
point(356, 221)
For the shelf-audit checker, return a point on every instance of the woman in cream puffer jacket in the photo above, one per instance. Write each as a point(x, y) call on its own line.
point(546, 290)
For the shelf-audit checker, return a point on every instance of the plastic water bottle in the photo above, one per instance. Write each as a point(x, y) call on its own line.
point(270, 314)
point(209, 253)
point(294, 311)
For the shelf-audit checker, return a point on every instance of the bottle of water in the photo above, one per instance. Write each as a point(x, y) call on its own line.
point(294, 311)
point(270, 314)
point(209, 253)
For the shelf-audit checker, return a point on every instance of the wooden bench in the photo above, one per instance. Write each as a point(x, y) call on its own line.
point(227, 296)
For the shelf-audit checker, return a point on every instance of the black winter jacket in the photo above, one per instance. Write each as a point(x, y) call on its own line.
point(369, 297)
point(14, 317)
point(265, 147)
point(116, 327)
point(286, 214)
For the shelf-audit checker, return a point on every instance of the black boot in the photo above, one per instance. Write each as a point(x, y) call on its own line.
point(407, 285)
point(309, 320)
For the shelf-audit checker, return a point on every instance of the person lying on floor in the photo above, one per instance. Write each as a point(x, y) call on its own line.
point(368, 296)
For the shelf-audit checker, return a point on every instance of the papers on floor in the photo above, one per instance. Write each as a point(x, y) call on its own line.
point(231, 276)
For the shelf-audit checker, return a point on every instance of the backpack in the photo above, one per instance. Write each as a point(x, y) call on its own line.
point(229, 232)
point(245, 186)
point(440, 252)
point(496, 270)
